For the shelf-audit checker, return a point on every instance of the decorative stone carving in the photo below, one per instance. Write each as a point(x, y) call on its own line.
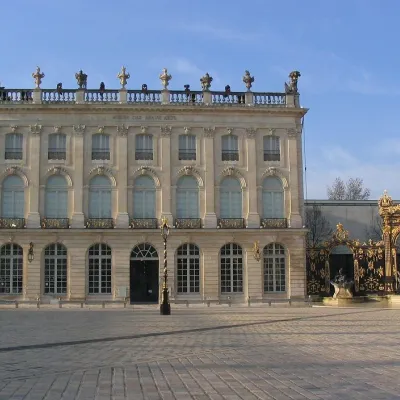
point(271, 131)
point(101, 170)
point(35, 129)
point(79, 129)
point(101, 129)
point(38, 76)
point(57, 129)
point(191, 170)
point(187, 130)
point(230, 131)
point(256, 251)
point(14, 128)
point(251, 133)
point(270, 171)
point(57, 170)
point(209, 132)
point(11, 238)
point(291, 132)
point(188, 170)
point(206, 81)
point(143, 129)
point(165, 77)
point(145, 170)
point(123, 77)
point(248, 80)
point(15, 170)
point(385, 200)
point(122, 130)
point(81, 79)
point(291, 87)
point(166, 130)
point(229, 171)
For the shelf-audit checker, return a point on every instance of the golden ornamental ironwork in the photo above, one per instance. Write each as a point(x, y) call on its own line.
point(256, 251)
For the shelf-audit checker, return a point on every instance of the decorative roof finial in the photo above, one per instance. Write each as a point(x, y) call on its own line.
point(123, 77)
point(38, 76)
point(248, 80)
point(206, 81)
point(165, 77)
point(291, 87)
point(81, 79)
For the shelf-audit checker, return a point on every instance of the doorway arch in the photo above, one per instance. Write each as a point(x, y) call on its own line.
point(144, 274)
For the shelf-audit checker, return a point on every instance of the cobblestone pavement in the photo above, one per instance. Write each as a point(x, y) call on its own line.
point(200, 353)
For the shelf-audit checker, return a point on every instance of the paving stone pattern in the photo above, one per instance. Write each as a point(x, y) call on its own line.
point(200, 353)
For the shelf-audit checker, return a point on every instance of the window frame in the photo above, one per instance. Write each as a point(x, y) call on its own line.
point(274, 268)
point(11, 258)
point(188, 269)
point(231, 265)
point(59, 269)
point(187, 147)
point(103, 152)
point(59, 151)
point(16, 150)
point(101, 253)
point(272, 148)
point(230, 147)
point(144, 147)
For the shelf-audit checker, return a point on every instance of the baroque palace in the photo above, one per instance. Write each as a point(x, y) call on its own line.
point(86, 176)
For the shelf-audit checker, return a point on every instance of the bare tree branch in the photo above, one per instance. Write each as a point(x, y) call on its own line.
point(353, 189)
point(375, 230)
point(319, 227)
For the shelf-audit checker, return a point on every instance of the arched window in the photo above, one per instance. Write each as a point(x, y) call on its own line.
point(274, 268)
point(230, 148)
point(100, 197)
point(57, 147)
point(187, 147)
point(230, 198)
point(99, 269)
point(273, 199)
point(188, 271)
point(144, 197)
point(56, 201)
point(144, 147)
point(231, 261)
point(13, 146)
point(272, 151)
point(100, 147)
point(13, 198)
point(187, 197)
point(11, 269)
point(55, 269)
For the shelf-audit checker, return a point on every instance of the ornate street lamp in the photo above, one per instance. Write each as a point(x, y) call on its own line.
point(165, 307)
point(31, 254)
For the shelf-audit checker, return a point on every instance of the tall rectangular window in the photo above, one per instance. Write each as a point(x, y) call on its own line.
point(230, 148)
point(100, 147)
point(13, 148)
point(272, 151)
point(57, 147)
point(187, 147)
point(144, 147)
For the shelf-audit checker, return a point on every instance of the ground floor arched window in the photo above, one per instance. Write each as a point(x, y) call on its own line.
point(274, 268)
point(188, 268)
point(11, 269)
point(55, 269)
point(99, 259)
point(231, 262)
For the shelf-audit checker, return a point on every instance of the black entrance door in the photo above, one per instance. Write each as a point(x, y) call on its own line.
point(144, 281)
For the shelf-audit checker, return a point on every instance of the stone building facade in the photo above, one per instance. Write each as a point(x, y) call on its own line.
point(86, 176)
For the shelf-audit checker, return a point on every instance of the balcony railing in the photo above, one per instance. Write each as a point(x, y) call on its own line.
point(230, 155)
point(100, 154)
point(13, 155)
point(187, 223)
point(230, 223)
point(190, 98)
point(273, 223)
point(149, 96)
point(144, 154)
point(187, 154)
point(66, 96)
point(54, 223)
point(56, 154)
point(99, 223)
point(102, 96)
point(272, 155)
point(228, 98)
point(143, 223)
point(15, 95)
point(12, 223)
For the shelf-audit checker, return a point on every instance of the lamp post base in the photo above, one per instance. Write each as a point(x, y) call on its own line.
point(165, 307)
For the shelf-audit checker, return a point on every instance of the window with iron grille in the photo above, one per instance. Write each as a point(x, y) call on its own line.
point(231, 263)
point(13, 148)
point(99, 269)
point(272, 151)
point(188, 268)
point(230, 148)
point(144, 147)
point(55, 269)
point(100, 147)
point(11, 265)
point(274, 268)
point(57, 147)
point(187, 147)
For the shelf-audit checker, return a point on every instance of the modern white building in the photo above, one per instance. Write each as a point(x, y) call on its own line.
point(86, 176)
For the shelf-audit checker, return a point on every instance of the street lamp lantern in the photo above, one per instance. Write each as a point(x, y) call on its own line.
point(165, 307)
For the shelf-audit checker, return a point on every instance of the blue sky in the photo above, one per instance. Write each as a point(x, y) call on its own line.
point(346, 50)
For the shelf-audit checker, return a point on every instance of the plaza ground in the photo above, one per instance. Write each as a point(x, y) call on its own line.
point(200, 353)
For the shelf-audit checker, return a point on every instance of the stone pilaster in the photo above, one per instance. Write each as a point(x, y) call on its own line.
point(122, 216)
point(78, 219)
point(33, 220)
point(253, 217)
point(166, 169)
point(295, 216)
point(210, 218)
